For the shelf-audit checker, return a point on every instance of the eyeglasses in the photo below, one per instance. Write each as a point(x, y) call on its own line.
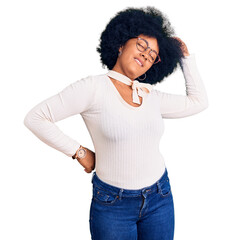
point(142, 46)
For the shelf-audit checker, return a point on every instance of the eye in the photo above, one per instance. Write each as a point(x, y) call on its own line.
point(153, 55)
point(141, 45)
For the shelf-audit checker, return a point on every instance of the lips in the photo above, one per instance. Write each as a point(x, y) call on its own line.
point(139, 61)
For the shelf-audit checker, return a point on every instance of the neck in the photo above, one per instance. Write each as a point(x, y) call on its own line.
point(120, 70)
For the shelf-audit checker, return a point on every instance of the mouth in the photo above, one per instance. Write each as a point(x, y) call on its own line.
point(139, 62)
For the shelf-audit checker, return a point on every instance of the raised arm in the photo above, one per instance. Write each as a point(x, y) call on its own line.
point(74, 99)
point(195, 101)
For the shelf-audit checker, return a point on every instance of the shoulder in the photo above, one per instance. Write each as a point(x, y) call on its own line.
point(89, 89)
point(99, 78)
point(153, 91)
point(156, 94)
point(91, 80)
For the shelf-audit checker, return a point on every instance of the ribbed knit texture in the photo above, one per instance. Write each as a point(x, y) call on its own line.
point(126, 138)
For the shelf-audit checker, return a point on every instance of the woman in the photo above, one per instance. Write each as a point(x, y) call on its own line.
point(132, 197)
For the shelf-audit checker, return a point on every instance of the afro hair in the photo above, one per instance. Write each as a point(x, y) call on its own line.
point(130, 23)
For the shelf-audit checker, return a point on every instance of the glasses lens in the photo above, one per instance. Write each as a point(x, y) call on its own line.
point(153, 57)
point(141, 45)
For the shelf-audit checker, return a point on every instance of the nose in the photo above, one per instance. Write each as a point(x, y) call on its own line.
point(145, 53)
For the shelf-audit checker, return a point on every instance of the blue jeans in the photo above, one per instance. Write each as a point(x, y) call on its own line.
point(124, 214)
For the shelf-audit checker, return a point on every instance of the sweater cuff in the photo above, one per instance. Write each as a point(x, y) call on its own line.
point(73, 149)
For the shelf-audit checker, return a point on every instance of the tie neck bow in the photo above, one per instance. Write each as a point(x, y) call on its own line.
point(137, 87)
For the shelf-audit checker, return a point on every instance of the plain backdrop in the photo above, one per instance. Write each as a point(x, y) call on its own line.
point(45, 46)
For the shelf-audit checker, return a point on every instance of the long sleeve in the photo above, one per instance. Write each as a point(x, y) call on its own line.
point(73, 99)
point(195, 100)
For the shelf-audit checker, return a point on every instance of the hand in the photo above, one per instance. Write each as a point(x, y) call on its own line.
point(88, 162)
point(183, 47)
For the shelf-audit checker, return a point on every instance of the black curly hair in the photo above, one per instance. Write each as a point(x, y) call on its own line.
point(130, 23)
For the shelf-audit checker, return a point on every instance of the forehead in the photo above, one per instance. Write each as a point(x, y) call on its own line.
point(152, 41)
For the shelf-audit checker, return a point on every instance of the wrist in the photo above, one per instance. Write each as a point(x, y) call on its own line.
point(80, 153)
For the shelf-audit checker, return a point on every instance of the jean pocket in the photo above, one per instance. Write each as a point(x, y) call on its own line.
point(104, 196)
point(165, 188)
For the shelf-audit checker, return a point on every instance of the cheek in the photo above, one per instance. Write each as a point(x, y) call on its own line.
point(130, 51)
point(127, 58)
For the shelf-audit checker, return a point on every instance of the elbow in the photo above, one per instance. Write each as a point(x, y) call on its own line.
point(205, 104)
point(26, 121)
point(29, 120)
point(201, 103)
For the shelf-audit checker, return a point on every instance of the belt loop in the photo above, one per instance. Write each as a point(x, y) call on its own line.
point(120, 194)
point(158, 186)
point(93, 176)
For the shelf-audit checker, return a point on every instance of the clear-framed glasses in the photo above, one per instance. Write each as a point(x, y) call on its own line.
point(142, 46)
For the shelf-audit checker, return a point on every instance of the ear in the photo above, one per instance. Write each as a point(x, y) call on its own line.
point(120, 49)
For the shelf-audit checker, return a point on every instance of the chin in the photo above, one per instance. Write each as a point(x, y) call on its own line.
point(134, 72)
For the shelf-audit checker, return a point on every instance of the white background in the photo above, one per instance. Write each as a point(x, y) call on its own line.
point(46, 195)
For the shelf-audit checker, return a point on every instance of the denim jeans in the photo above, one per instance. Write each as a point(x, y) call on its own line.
point(124, 214)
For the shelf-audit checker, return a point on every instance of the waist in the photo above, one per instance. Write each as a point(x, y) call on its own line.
point(129, 192)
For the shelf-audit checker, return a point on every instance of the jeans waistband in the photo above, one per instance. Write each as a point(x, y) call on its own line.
point(129, 192)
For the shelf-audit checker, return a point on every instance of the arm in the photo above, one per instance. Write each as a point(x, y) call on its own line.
point(195, 101)
point(74, 99)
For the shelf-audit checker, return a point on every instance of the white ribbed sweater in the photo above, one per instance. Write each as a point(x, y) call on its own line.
point(126, 138)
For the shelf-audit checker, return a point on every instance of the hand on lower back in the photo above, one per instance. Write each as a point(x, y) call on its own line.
point(88, 162)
